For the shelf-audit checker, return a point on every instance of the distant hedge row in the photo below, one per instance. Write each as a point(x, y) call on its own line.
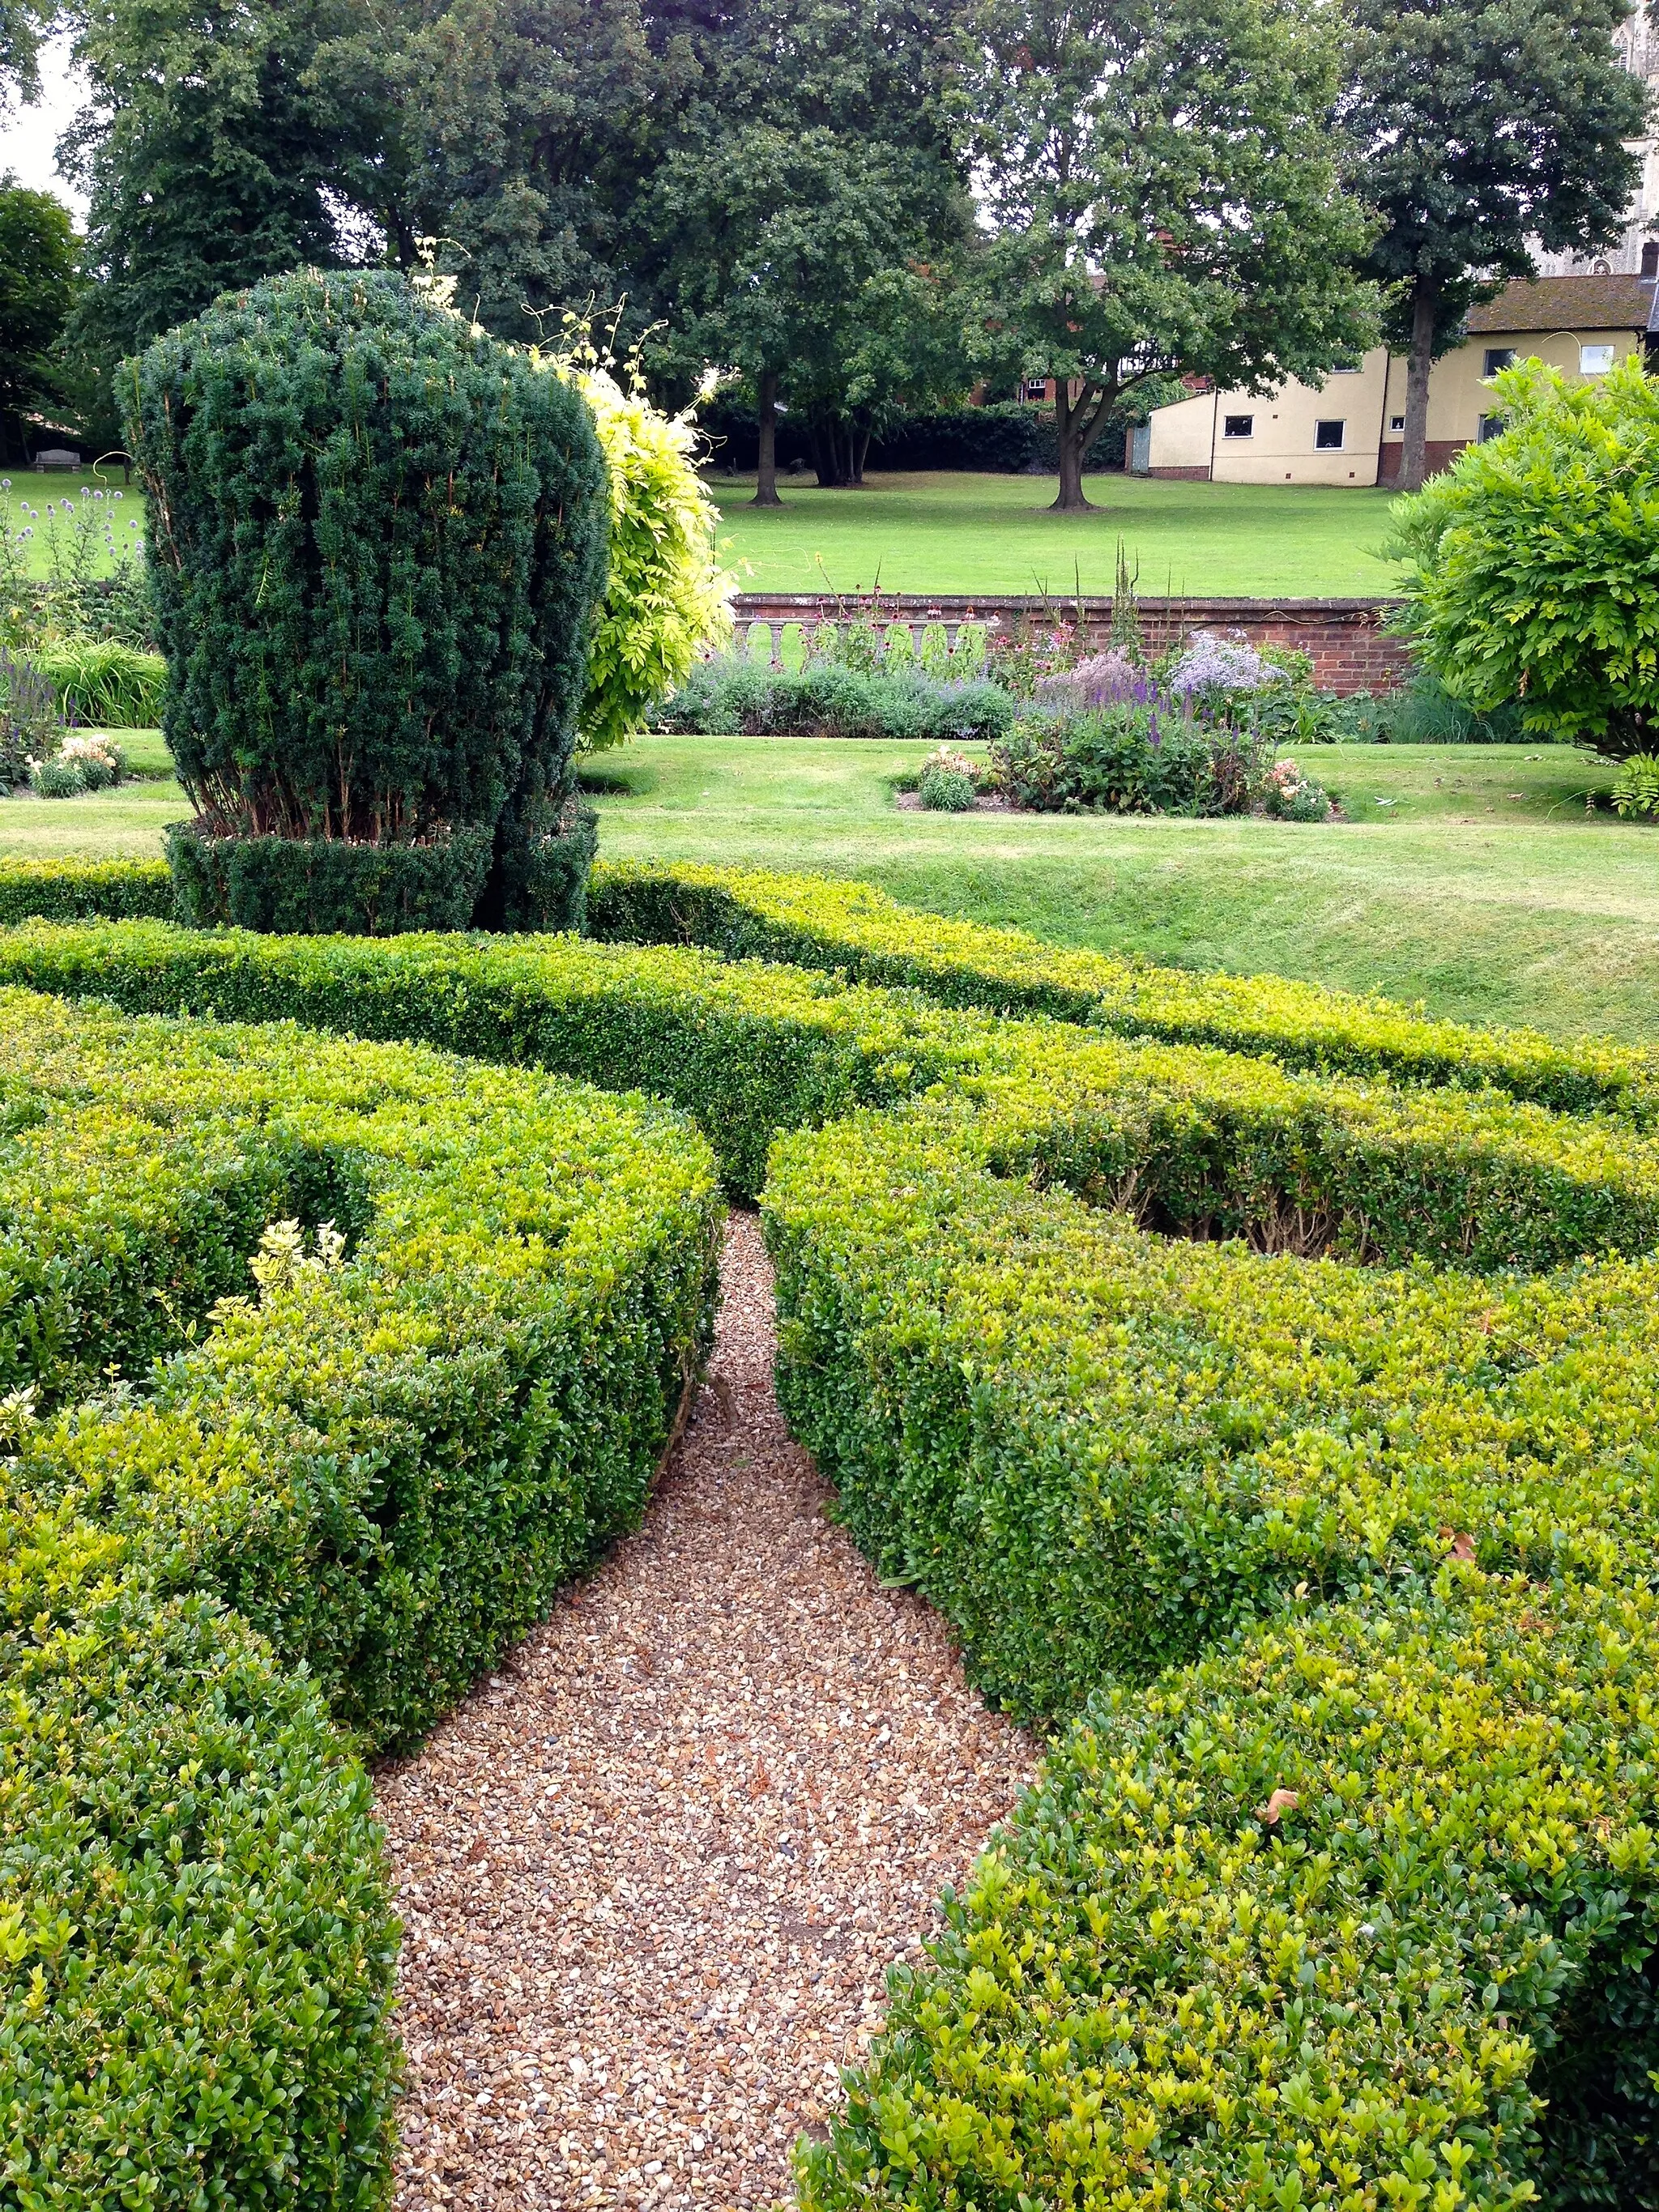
point(232, 1530)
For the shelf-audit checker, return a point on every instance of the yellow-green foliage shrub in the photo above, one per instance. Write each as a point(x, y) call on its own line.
point(667, 601)
point(1329, 1547)
point(819, 921)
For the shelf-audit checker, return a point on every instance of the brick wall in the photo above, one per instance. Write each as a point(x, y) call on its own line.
point(1344, 638)
point(1391, 453)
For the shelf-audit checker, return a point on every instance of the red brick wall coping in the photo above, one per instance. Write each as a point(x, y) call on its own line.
point(1344, 639)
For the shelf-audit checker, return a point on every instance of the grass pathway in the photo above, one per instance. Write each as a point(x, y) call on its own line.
point(652, 1872)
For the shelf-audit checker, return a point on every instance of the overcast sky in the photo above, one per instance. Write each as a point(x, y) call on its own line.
point(29, 135)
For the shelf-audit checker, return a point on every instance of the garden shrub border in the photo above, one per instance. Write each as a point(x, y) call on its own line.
point(850, 929)
point(1324, 1913)
point(820, 921)
point(344, 1501)
point(1206, 1142)
point(1100, 1455)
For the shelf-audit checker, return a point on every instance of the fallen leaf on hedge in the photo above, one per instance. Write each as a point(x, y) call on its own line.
point(1282, 1801)
point(1462, 1544)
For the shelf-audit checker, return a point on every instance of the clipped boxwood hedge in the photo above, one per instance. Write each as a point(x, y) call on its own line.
point(820, 921)
point(826, 923)
point(323, 1506)
point(1337, 1889)
point(1206, 1142)
point(1361, 1906)
point(82, 891)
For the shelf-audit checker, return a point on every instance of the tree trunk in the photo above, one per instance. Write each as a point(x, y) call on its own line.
point(766, 485)
point(827, 455)
point(1069, 422)
point(861, 446)
point(1414, 458)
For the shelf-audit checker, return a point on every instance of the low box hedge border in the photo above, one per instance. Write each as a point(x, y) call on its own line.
point(1337, 1890)
point(323, 1508)
point(828, 923)
point(84, 890)
point(1412, 1910)
point(1208, 1141)
point(819, 921)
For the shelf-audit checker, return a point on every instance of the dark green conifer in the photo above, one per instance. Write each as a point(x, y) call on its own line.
point(378, 539)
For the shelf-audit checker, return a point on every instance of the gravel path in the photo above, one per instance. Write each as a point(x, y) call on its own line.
point(652, 1873)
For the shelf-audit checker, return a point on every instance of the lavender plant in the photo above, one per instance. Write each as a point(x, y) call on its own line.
point(32, 724)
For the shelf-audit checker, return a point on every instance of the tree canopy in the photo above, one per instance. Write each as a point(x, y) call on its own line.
point(1478, 128)
point(216, 151)
point(1164, 189)
point(39, 268)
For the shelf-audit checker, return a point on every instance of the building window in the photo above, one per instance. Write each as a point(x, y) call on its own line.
point(1594, 361)
point(1396, 422)
point(1491, 425)
point(1347, 369)
point(1650, 257)
point(1036, 387)
point(1327, 437)
point(1239, 426)
point(1498, 357)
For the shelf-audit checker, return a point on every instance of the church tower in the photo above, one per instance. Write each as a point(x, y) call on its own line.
point(1636, 254)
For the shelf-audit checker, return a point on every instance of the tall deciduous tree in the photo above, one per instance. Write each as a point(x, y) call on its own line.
point(1162, 183)
point(522, 134)
point(788, 253)
point(214, 151)
point(1481, 126)
point(23, 24)
point(804, 217)
point(40, 267)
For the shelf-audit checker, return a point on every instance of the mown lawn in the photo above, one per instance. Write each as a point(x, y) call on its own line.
point(1469, 876)
point(984, 533)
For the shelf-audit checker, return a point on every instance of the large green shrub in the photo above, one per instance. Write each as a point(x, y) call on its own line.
point(379, 538)
point(1535, 560)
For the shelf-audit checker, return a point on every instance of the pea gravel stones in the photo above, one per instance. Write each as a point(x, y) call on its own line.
point(652, 1872)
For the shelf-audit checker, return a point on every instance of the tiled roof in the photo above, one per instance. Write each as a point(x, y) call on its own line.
point(1567, 303)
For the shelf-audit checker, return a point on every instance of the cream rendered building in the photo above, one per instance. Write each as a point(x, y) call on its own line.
point(1349, 430)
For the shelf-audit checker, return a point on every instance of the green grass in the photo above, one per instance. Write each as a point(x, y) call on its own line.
point(1444, 887)
point(27, 505)
point(104, 825)
point(985, 533)
point(1469, 876)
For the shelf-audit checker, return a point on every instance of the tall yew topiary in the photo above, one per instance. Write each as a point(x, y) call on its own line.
point(379, 539)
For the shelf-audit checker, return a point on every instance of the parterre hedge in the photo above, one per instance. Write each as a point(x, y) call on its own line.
point(818, 921)
point(82, 891)
point(1360, 1911)
point(320, 1509)
point(1209, 1143)
point(850, 928)
point(1339, 1888)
